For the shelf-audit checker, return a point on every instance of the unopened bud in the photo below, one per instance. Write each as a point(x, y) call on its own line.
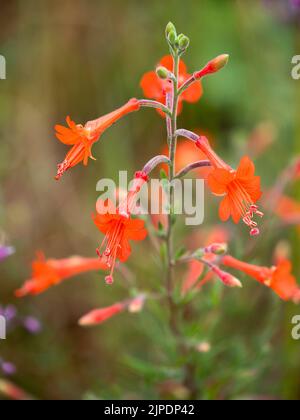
point(228, 279)
point(170, 28)
point(162, 72)
point(203, 347)
point(213, 66)
point(217, 249)
point(136, 305)
point(183, 42)
point(219, 62)
point(172, 37)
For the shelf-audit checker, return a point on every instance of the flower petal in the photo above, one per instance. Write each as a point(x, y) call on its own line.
point(218, 180)
point(135, 230)
point(283, 282)
point(98, 316)
point(225, 209)
point(66, 135)
point(152, 86)
point(246, 168)
point(124, 250)
point(252, 187)
point(193, 93)
point(167, 62)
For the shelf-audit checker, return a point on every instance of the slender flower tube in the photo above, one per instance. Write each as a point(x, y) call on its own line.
point(82, 138)
point(119, 228)
point(98, 316)
point(47, 273)
point(240, 187)
point(226, 278)
point(277, 278)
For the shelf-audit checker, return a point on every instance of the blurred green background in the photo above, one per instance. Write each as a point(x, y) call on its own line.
point(85, 58)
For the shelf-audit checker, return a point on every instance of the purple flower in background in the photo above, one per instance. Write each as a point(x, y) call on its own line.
point(7, 368)
point(9, 312)
point(14, 319)
point(32, 325)
point(285, 10)
point(295, 4)
point(6, 251)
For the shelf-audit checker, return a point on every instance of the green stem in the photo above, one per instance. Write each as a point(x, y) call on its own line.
point(189, 379)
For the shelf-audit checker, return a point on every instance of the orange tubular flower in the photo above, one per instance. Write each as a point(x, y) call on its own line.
point(119, 228)
point(82, 138)
point(155, 88)
point(98, 316)
point(278, 278)
point(241, 187)
point(47, 273)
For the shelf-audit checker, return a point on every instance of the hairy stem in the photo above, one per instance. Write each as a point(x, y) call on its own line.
point(189, 377)
point(147, 103)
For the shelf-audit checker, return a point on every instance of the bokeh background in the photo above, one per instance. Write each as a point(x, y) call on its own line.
point(85, 58)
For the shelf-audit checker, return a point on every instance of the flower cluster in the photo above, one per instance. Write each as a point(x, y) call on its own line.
point(166, 88)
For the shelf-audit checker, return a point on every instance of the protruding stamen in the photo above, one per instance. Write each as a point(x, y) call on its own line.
point(109, 280)
point(254, 232)
point(62, 168)
point(107, 252)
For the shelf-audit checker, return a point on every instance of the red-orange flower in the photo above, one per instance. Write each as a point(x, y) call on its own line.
point(288, 210)
point(241, 187)
point(119, 228)
point(47, 273)
point(278, 278)
point(191, 280)
point(155, 88)
point(82, 138)
point(98, 316)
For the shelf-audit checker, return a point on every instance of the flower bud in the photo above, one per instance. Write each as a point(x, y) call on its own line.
point(136, 305)
point(228, 279)
point(170, 28)
point(162, 72)
point(203, 347)
point(217, 249)
point(219, 62)
point(172, 37)
point(213, 66)
point(183, 42)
